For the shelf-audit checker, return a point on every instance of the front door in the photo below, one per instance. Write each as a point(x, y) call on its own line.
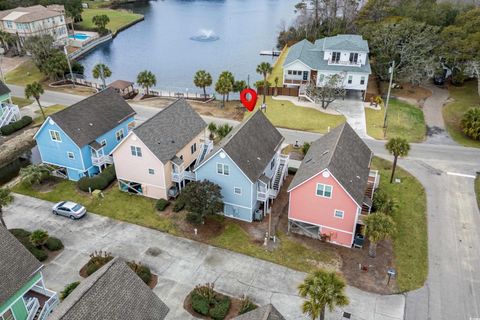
point(313, 76)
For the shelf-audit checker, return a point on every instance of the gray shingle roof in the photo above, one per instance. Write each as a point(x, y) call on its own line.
point(267, 312)
point(112, 292)
point(17, 265)
point(3, 89)
point(33, 13)
point(88, 119)
point(251, 145)
point(312, 54)
point(167, 132)
point(344, 154)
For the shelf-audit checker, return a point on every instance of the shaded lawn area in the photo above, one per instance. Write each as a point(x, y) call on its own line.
point(48, 111)
point(118, 18)
point(477, 189)
point(141, 210)
point(24, 74)
point(21, 102)
point(410, 243)
point(463, 98)
point(287, 115)
point(404, 120)
point(278, 68)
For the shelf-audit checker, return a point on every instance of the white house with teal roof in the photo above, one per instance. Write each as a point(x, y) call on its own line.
point(344, 54)
point(8, 111)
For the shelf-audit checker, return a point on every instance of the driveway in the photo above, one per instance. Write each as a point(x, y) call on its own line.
point(181, 264)
point(432, 110)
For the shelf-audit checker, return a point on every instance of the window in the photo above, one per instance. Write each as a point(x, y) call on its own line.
point(362, 80)
point(136, 151)
point(339, 214)
point(8, 315)
point(272, 164)
point(223, 169)
point(70, 155)
point(9, 25)
point(335, 57)
point(55, 136)
point(289, 71)
point(119, 134)
point(237, 190)
point(305, 75)
point(193, 148)
point(324, 190)
point(103, 142)
point(350, 79)
point(353, 57)
point(151, 171)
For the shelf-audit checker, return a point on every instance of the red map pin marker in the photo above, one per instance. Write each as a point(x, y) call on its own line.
point(248, 103)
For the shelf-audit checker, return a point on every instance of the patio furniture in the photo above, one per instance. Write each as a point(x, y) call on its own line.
point(359, 240)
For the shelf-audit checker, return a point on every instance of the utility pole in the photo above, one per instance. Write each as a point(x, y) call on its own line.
point(390, 70)
point(2, 51)
point(72, 77)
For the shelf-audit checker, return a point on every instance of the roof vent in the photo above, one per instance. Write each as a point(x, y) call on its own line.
point(308, 160)
point(90, 124)
point(325, 152)
point(258, 158)
point(358, 177)
point(173, 141)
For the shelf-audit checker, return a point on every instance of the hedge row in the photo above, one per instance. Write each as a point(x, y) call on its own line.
point(99, 182)
point(15, 126)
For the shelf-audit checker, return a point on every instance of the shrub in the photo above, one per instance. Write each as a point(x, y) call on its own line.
point(246, 305)
point(40, 254)
point(142, 271)
point(383, 203)
point(206, 291)
point(97, 260)
point(220, 309)
point(292, 170)
point(471, 123)
point(179, 205)
point(194, 218)
point(38, 238)
point(305, 147)
point(54, 244)
point(15, 126)
point(91, 268)
point(458, 77)
point(161, 204)
point(68, 289)
point(99, 182)
point(20, 233)
point(199, 304)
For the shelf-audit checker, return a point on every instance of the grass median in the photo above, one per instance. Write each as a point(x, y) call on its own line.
point(24, 74)
point(118, 18)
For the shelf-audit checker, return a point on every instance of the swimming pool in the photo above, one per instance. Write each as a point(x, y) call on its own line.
point(80, 36)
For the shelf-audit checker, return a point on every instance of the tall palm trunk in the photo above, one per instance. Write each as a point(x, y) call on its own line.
point(204, 94)
point(264, 86)
point(223, 102)
point(393, 168)
point(372, 249)
point(41, 108)
point(322, 313)
point(148, 92)
point(1, 218)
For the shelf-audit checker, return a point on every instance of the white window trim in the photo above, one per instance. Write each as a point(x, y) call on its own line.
point(238, 194)
point(55, 133)
point(223, 169)
point(151, 171)
point(70, 153)
point(335, 214)
point(102, 142)
point(117, 134)
point(137, 149)
point(323, 196)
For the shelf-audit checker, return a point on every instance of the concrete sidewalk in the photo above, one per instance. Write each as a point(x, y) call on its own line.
point(181, 264)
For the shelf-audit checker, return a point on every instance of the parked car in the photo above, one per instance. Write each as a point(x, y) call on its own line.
point(69, 209)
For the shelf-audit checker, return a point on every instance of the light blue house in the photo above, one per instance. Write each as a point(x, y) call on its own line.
point(248, 166)
point(77, 141)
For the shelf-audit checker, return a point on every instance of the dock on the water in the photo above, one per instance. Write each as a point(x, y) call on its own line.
point(274, 53)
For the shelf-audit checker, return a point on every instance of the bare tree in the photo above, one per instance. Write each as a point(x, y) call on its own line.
point(331, 89)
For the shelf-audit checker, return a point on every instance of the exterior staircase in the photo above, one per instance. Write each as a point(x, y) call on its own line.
point(205, 149)
point(306, 92)
point(37, 314)
point(8, 114)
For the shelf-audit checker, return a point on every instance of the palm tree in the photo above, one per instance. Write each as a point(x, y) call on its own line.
point(38, 238)
point(5, 199)
point(239, 85)
point(264, 69)
point(35, 90)
point(101, 21)
point(101, 71)
point(398, 147)
point(146, 79)
point(276, 80)
point(34, 174)
point(223, 86)
point(322, 289)
point(224, 130)
point(203, 79)
point(212, 127)
point(229, 76)
point(378, 226)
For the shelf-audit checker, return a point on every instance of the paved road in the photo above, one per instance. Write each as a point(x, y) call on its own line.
point(452, 290)
point(181, 264)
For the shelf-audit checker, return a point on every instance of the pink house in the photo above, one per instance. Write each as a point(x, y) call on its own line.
point(333, 188)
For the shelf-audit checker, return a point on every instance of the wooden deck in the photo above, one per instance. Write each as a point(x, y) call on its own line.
point(41, 298)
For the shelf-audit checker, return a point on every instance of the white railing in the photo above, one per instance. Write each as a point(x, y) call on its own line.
point(376, 178)
point(48, 307)
point(9, 112)
point(101, 160)
point(183, 175)
point(32, 307)
point(345, 63)
point(263, 195)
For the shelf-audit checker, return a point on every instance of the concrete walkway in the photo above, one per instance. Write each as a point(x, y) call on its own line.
point(181, 264)
point(432, 110)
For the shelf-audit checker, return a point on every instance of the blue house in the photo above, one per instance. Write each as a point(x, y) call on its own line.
point(77, 141)
point(249, 167)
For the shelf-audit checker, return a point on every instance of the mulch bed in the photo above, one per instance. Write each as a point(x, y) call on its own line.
point(232, 312)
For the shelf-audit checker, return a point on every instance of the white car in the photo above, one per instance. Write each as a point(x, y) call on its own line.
point(69, 209)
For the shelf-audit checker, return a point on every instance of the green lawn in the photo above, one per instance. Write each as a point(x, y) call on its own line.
point(21, 102)
point(278, 68)
point(24, 74)
point(410, 243)
point(477, 189)
point(48, 111)
point(404, 120)
point(97, 4)
point(118, 18)
point(463, 98)
point(285, 114)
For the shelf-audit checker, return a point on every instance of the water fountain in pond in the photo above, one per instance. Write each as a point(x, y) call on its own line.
point(205, 36)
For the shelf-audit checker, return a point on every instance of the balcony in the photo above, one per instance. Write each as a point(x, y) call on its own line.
point(344, 63)
point(183, 175)
point(40, 302)
point(101, 160)
point(294, 81)
point(8, 113)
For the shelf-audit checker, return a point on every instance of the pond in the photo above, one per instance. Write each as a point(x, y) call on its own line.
point(11, 170)
point(179, 37)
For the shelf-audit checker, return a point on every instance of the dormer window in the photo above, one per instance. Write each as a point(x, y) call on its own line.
point(353, 57)
point(335, 57)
